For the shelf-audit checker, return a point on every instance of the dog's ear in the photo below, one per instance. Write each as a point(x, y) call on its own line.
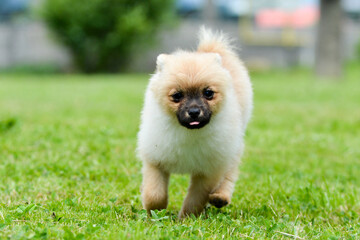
point(160, 61)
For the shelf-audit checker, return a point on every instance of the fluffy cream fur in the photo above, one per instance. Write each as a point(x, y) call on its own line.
point(210, 154)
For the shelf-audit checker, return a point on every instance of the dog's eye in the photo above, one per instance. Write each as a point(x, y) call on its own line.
point(208, 94)
point(177, 96)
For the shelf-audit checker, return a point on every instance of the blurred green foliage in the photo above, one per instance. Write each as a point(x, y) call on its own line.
point(103, 34)
point(36, 68)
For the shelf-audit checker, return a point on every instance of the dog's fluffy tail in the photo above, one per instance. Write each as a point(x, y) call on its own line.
point(215, 42)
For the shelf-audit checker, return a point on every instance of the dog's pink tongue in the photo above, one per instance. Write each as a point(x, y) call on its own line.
point(194, 123)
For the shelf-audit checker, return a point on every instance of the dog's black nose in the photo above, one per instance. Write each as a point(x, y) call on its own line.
point(194, 112)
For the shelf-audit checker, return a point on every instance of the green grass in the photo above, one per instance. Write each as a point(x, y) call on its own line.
point(68, 167)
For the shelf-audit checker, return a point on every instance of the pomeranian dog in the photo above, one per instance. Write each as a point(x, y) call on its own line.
point(196, 109)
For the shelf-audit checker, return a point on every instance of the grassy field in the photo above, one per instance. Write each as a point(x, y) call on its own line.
point(68, 167)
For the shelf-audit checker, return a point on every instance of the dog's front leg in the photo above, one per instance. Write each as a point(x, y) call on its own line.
point(198, 194)
point(154, 187)
point(221, 196)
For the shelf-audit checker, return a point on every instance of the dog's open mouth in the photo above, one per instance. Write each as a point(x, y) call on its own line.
point(194, 124)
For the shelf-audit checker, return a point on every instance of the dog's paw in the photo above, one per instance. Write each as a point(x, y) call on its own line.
point(182, 215)
point(188, 211)
point(218, 200)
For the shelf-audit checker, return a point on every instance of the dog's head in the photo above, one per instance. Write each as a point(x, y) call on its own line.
point(191, 86)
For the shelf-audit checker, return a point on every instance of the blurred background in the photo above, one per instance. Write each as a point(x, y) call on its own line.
point(126, 35)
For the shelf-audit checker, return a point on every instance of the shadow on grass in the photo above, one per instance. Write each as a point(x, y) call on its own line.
point(7, 124)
